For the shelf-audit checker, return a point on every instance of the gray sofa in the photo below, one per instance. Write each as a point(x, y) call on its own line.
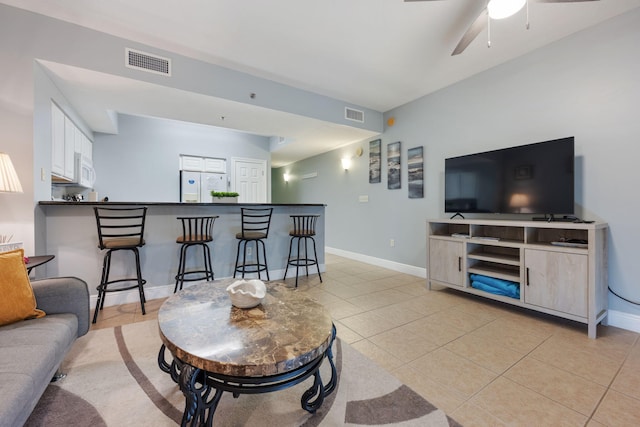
point(31, 350)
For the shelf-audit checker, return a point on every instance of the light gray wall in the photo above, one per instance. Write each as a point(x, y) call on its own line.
point(26, 37)
point(141, 162)
point(585, 86)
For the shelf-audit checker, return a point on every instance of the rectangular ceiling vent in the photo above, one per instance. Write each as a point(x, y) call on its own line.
point(147, 62)
point(355, 115)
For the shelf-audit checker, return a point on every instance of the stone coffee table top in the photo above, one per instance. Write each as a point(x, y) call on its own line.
point(201, 327)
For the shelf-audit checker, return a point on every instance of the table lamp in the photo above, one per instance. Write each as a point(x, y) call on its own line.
point(519, 201)
point(9, 182)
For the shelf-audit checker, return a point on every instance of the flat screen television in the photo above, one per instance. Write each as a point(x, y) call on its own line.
point(534, 179)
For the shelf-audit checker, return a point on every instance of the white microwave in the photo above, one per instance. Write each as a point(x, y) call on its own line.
point(85, 175)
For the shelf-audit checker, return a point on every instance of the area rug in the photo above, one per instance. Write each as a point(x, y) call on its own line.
point(113, 379)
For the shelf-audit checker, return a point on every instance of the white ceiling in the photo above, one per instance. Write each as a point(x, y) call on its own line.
point(375, 53)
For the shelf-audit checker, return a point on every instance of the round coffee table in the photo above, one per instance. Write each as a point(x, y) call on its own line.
point(218, 347)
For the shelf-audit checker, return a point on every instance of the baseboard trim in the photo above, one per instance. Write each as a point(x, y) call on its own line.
point(628, 321)
point(391, 265)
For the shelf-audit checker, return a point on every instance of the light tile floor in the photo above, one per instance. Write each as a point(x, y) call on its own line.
point(482, 362)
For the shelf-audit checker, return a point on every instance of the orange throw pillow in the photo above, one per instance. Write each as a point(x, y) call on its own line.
point(17, 301)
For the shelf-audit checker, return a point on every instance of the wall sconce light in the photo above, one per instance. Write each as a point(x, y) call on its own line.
point(346, 163)
point(9, 182)
point(286, 177)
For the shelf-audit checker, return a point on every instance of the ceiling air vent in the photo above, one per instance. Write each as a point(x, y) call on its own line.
point(355, 115)
point(146, 62)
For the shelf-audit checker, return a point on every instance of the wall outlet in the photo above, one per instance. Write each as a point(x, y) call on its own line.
point(363, 199)
point(248, 251)
point(42, 175)
point(392, 242)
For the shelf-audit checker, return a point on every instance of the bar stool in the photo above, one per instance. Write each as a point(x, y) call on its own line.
point(255, 228)
point(196, 231)
point(304, 228)
point(120, 229)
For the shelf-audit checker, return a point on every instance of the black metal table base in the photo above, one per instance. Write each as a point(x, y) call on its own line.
point(203, 390)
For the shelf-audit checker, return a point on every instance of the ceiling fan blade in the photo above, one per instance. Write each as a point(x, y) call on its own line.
point(478, 25)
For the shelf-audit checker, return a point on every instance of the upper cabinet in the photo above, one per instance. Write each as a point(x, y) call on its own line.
point(215, 165)
point(69, 147)
point(203, 164)
point(83, 146)
point(67, 140)
point(87, 148)
point(57, 141)
point(191, 163)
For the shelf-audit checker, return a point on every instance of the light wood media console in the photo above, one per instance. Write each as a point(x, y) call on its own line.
point(556, 277)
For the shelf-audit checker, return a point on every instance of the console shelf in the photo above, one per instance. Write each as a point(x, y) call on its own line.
point(496, 272)
point(556, 275)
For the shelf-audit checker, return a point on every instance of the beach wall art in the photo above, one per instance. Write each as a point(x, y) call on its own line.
point(393, 166)
point(375, 161)
point(415, 168)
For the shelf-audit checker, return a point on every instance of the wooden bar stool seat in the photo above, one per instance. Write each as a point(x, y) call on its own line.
point(196, 231)
point(255, 228)
point(120, 229)
point(304, 229)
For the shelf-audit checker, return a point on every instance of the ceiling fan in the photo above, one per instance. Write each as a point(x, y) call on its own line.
point(495, 9)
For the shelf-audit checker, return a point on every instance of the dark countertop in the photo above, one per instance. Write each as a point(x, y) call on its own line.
point(65, 203)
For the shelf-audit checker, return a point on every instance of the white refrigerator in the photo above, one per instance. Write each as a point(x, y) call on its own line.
point(196, 187)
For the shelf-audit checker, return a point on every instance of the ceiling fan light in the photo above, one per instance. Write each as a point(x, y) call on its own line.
point(499, 9)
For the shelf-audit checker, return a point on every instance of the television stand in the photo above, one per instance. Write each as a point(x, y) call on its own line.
point(555, 275)
point(457, 214)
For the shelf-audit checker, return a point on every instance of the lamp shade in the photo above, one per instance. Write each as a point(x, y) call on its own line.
point(9, 182)
point(519, 202)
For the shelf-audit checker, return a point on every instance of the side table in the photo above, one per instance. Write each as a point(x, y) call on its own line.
point(35, 261)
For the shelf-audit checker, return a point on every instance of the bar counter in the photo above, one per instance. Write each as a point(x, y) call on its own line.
point(69, 231)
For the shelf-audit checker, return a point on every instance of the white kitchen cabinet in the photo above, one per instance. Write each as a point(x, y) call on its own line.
point(67, 140)
point(77, 140)
point(215, 165)
point(57, 141)
point(203, 164)
point(69, 148)
point(84, 146)
point(62, 144)
point(87, 148)
point(191, 163)
point(559, 267)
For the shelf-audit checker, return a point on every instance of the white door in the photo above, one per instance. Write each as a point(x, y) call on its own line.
point(250, 180)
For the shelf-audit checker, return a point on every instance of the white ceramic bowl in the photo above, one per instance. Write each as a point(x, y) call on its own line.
point(247, 293)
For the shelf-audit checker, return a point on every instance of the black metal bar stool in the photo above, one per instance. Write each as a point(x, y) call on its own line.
point(304, 228)
point(196, 231)
point(120, 229)
point(255, 228)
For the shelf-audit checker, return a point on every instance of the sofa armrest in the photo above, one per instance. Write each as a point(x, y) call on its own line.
point(64, 295)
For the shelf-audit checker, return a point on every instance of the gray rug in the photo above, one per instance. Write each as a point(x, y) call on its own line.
point(113, 379)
